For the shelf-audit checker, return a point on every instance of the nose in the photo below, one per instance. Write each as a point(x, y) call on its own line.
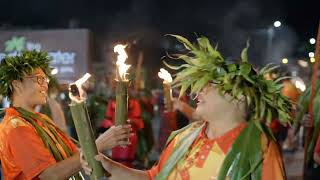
point(201, 93)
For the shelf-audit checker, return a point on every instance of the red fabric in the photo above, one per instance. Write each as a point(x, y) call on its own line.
point(317, 148)
point(23, 153)
point(134, 114)
point(276, 126)
point(125, 155)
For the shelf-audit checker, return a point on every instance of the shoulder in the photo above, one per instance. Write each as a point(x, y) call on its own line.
point(14, 122)
point(180, 133)
point(191, 127)
point(13, 126)
point(268, 144)
point(12, 119)
point(46, 117)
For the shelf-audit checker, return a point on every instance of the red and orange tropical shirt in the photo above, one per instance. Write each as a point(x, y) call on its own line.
point(22, 152)
point(205, 157)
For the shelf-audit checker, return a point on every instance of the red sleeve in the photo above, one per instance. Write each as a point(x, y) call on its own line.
point(172, 119)
point(135, 114)
point(110, 113)
point(152, 173)
point(317, 148)
point(28, 151)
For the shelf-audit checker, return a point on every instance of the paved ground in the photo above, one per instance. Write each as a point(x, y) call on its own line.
point(294, 164)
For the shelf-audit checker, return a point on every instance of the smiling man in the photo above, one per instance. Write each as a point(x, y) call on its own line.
point(232, 141)
point(31, 145)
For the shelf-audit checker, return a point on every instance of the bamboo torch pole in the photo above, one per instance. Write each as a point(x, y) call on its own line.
point(84, 129)
point(122, 86)
point(121, 102)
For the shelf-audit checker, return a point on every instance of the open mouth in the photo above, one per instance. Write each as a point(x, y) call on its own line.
point(199, 101)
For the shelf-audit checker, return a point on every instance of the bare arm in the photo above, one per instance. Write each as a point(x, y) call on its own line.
point(316, 158)
point(119, 171)
point(57, 114)
point(63, 169)
point(185, 109)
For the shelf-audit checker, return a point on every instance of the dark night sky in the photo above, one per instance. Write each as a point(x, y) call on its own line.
point(180, 14)
point(229, 22)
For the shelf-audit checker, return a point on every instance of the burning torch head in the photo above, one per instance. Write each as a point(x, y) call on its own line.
point(74, 90)
point(77, 92)
point(165, 75)
point(122, 67)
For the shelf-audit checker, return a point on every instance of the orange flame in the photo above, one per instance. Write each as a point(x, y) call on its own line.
point(122, 57)
point(79, 84)
point(165, 75)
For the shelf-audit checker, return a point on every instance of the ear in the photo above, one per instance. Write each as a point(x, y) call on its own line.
point(16, 85)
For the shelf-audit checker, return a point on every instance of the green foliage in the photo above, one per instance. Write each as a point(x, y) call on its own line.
point(204, 64)
point(15, 68)
point(45, 136)
point(302, 109)
point(179, 151)
point(243, 162)
point(244, 53)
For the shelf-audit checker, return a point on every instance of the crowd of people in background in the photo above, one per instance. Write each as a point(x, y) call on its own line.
point(150, 121)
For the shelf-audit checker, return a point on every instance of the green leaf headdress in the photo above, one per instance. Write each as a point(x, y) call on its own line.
point(16, 67)
point(204, 64)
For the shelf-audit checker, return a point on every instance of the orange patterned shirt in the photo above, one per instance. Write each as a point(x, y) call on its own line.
point(205, 157)
point(22, 152)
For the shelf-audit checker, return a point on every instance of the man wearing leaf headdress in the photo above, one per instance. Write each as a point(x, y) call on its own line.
point(228, 143)
point(31, 145)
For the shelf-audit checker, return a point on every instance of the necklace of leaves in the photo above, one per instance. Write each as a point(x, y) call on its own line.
point(49, 135)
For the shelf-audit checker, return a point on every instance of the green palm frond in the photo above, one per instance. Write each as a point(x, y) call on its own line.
point(204, 64)
point(244, 53)
point(243, 163)
point(179, 150)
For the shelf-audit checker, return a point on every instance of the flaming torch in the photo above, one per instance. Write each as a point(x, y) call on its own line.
point(83, 127)
point(122, 85)
point(167, 79)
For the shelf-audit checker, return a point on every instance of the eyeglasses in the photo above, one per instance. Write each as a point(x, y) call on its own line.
point(39, 79)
